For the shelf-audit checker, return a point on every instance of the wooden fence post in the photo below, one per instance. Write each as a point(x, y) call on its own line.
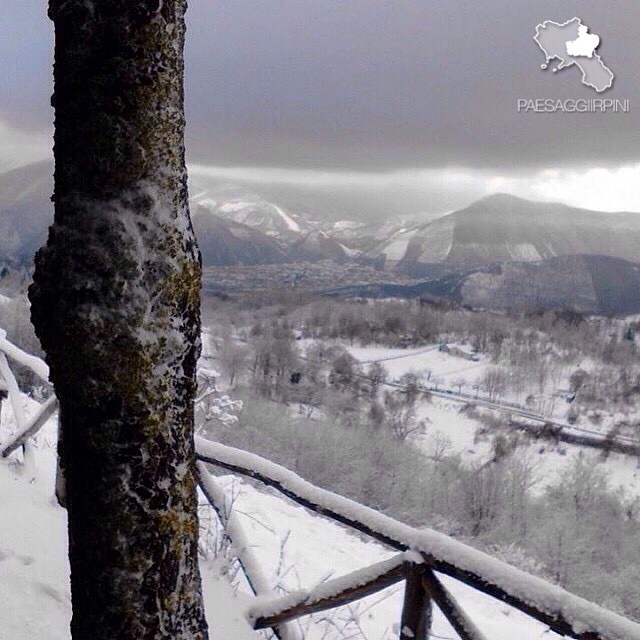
point(450, 608)
point(415, 623)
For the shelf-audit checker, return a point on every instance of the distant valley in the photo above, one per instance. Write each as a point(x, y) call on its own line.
point(500, 252)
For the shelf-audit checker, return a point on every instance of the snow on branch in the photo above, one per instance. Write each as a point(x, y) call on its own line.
point(19, 414)
point(562, 611)
point(14, 392)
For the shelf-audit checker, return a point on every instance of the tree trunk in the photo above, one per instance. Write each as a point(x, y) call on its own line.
point(115, 303)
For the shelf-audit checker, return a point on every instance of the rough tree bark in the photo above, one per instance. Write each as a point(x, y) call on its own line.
point(115, 303)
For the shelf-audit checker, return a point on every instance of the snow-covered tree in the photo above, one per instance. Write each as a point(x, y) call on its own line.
point(116, 306)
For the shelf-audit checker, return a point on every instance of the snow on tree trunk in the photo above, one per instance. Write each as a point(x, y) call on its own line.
point(115, 302)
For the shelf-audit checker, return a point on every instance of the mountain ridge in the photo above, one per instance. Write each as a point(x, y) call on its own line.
point(505, 228)
point(485, 254)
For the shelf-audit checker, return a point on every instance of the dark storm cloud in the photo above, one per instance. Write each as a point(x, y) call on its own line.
point(379, 84)
point(369, 84)
point(26, 43)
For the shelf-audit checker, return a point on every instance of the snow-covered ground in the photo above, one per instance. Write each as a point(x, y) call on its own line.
point(297, 549)
point(448, 372)
point(34, 569)
point(451, 431)
point(447, 425)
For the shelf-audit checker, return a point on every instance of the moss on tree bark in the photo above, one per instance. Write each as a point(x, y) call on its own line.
point(115, 303)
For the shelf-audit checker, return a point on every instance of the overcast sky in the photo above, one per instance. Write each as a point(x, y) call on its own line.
point(359, 93)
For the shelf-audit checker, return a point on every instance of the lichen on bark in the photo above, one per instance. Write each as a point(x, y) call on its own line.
point(115, 303)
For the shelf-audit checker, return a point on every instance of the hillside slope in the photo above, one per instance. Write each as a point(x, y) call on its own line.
point(226, 242)
point(25, 211)
point(503, 228)
point(234, 224)
point(589, 284)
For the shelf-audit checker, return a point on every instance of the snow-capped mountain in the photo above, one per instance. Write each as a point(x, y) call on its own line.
point(234, 224)
point(503, 228)
point(492, 254)
point(249, 208)
point(504, 252)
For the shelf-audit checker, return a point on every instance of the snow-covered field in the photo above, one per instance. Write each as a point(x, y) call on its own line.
point(445, 371)
point(427, 362)
point(450, 431)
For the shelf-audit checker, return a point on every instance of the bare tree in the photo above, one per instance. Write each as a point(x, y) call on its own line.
point(459, 383)
point(310, 397)
point(233, 356)
point(401, 415)
point(116, 307)
point(376, 375)
point(494, 382)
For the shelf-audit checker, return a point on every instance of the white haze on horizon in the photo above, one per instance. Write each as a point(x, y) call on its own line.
point(597, 188)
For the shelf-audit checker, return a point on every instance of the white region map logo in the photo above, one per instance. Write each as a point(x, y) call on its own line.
point(572, 45)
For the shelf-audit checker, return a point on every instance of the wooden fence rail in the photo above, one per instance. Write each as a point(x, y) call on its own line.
point(561, 611)
point(32, 428)
point(258, 582)
point(333, 593)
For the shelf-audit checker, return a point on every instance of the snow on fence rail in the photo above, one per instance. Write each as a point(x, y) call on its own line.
point(36, 423)
point(37, 365)
point(423, 552)
point(562, 611)
point(269, 611)
point(26, 429)
point(258, 582)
